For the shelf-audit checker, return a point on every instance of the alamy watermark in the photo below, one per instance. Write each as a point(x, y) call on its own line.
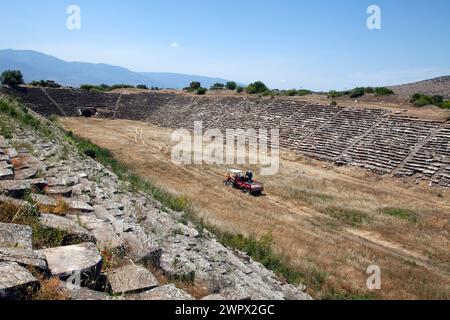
point(232, 147)
point(374, 280)
point(74, 20)
point(374, 19)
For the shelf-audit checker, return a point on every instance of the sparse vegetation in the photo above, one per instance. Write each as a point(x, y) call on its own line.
point(43, 237)
point(51, 290)
point(304, 92)
point(360, 91)
point(400, 213)
point(217, 86)
point(14, 110)
point(104, 87)
point(422, 100)
point(201, 91)
point(256, 87)
point(357, 92)
point(382, 91)
point(231, 85)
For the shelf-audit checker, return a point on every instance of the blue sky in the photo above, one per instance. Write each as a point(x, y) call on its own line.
point(322, 44)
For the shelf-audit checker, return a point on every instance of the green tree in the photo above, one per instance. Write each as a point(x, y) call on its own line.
point(231, 85)
point(383, 91)
point(201, 91)
point(217, 86)
point(256, 87)
point(303, 92)
point(12, 78)
point(239, 89)
point(195, 85)
point(142, 86)
point(357, 92)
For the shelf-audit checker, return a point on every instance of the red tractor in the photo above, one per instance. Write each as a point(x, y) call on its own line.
point(236, 179)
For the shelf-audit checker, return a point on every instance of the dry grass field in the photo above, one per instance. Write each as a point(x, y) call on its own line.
point(331, 223)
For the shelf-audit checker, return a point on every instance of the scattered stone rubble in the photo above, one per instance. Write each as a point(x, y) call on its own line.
point(104, 221)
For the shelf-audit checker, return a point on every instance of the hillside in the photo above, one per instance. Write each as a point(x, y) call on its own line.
point(436, 86)
point(38, 66)
point(64, 214)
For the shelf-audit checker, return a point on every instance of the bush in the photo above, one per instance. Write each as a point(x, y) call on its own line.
point(445, 105)
point(239, 89)
point(142, 86)
point(334, 94)
point(11, 78)
point(370, 90)
point(189, 89)
point(437, 100)
point(357, 92)
point(333, 103)
point(195, 85)
point(231, 85)
point(421, 100)
point(94, 88)
point(383, 91)
point(201, 91)
point(6, 132)
point(291, 92)
point(90, 153)
point(217, 86)
point(121, 86)
point(256, 87)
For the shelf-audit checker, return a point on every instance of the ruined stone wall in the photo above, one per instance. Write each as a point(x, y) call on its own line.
point(374, 139)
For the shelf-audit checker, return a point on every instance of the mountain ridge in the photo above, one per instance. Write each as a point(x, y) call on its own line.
point(40, 66)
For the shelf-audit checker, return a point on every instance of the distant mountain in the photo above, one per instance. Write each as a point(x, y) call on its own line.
point(437, 86)
point(38, 66)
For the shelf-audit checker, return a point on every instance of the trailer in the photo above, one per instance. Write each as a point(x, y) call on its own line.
point(235, 179)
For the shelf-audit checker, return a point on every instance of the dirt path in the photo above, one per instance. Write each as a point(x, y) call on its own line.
point(299, 209)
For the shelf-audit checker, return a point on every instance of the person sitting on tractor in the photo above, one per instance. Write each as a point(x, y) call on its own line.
point(249, 176)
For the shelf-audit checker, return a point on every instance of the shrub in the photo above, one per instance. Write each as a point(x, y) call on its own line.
point(256, 87)
point(334, 94)
point(11, 78)
point(217, 86)
point(121, 86)
point(291, 92)
point(90, 153)
point(231, 85)
point(357, 92)
point(195, 85)
point(401, 213)
point(445, 105)
point(421, 100)
point(189, 89)
point(370, 90)
point(333, 103)
point(437, 100)
point(201, 91)
point(6, 132)
point(239, 89)
point(142, 87)
point(383, 91)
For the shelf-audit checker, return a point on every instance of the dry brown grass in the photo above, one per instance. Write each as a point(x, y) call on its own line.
point(61, 208)
point(18, 162)
point(330, 223)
